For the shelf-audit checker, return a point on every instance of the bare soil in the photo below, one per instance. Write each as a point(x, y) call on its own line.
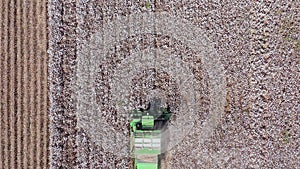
point(24, 137)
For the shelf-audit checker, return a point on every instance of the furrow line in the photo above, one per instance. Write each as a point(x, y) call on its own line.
point(14, 84)
point(11, 85)
point(1, 87)
point(39, 112)
point(32, 84)
point(5, 84)
point(44, 86)
point(25, 88)
point(19, 83)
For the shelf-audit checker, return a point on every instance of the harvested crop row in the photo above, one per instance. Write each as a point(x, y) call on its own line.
point(24, 91)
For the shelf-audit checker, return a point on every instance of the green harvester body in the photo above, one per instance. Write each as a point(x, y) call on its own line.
point(146, 128)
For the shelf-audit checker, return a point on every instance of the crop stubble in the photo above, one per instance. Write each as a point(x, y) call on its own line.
point(249, 133)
